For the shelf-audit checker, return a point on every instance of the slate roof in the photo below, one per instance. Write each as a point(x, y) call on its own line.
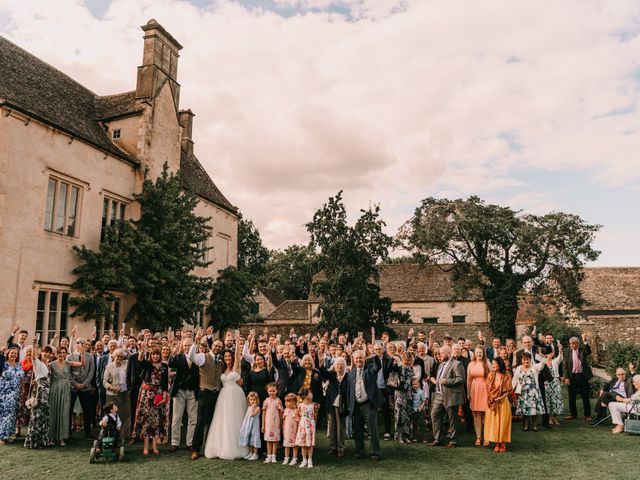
point(196, 179)
point(408, 283)
point(291, 310)
point(271, 295)
point(119, 105)
point(35, 88)
point(611, 289)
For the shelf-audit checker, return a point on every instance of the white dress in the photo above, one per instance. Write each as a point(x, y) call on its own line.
point(223, 439)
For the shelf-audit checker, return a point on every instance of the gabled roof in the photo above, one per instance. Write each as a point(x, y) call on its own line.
point(196, 179)
point(271, 295)
point(291, 310)
point(119, 105)
point(35, 88)
point(409, 282)
point(611, 289)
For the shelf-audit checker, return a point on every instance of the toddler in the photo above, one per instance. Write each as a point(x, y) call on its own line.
point(306, 435)
point(250, 429)
point(272, 421)
point(290, 428)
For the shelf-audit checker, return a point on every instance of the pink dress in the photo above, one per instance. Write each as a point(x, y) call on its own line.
point(478, 387)
point(271, 409)
point(289, 427)
point(306, 436)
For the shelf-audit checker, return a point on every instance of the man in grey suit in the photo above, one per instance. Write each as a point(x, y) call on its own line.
point(448, 395)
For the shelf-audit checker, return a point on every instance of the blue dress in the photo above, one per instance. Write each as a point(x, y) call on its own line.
point(9, 395)
point(250, 430)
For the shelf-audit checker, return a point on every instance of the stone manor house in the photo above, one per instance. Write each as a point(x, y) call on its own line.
point(70, 161)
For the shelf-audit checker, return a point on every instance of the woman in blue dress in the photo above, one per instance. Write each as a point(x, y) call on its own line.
point(9, 394)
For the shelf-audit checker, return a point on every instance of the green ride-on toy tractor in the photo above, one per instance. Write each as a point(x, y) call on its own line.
point(109, 450)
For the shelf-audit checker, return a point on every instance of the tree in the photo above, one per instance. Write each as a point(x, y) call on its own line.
point(290, 271)
point(252, 254)
point(230, 298)
point(347, 256)
point(500, 251)
point(153, 257)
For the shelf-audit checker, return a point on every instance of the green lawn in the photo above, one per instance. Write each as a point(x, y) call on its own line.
point(573, 450)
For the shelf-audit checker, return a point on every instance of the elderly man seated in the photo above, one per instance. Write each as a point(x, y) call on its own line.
point(619, 386)
point(625, 405)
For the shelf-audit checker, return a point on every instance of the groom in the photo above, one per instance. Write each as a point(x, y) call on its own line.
point(211, 368)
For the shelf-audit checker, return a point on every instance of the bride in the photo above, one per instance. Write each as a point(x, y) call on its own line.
point(223, 439)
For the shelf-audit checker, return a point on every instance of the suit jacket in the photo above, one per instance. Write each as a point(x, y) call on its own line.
point(334, 388)
point(82, 375)
point(101, 365)
point(370, 379)
point(584, 352)
point(134, 372)
point(186, 378)
point(453, 388)
point(491, 353)
point(628, 386)
point(284, 379)
point(111, 377)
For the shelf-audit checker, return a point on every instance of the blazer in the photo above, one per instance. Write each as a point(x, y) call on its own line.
point(82, 375)
point(335, 387)
point(628, 386)
point(453, 389)
point(186, 378)
point(370, 379)
point(284, 379)
point(584, 352)
point(112, 377)
point(134, 372)
point(101, 365)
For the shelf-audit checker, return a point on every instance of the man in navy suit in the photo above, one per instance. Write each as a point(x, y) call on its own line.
point(363, 401)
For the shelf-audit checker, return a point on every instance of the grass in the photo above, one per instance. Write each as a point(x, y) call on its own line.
point(573, 450)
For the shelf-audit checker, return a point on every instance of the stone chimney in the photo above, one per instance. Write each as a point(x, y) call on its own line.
point(185, 117)
point(159, 63)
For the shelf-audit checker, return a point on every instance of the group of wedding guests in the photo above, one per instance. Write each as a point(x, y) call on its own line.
point(253, 397)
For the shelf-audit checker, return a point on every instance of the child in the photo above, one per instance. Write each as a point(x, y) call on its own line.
point(250, 429)
point(290, 428)
point(271, 421)
point(419, 427)
point(306, 436)
point(111, 424)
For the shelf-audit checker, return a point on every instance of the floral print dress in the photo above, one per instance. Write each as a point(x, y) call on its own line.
point(9, 395)
point(403, 405)
point(38, 433)
point(553, 389)
point(306, 436)
point(151, 418)
point(530, 399)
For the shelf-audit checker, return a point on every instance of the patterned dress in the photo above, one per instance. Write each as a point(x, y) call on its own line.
point(151, 419)
point(271, 410)
point(530, 399)
point(38, 433)
point(306, 436)
point(250, 429)
point(289, 427)
point(9, 396)
point(403, 406)
point(553, 390)
point(59, 402)
point(25, 384)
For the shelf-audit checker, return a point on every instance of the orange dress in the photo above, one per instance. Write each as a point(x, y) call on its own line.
point(497, 419)
point(477, 385)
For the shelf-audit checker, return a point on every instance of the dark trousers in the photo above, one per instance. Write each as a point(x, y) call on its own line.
point(438, 412)
point(133, 399)
point(386, 410)
point(206, 405)
point(366, 413)
point(86, 404)
point(468, 417)
point(606, 398)
point(579, 385)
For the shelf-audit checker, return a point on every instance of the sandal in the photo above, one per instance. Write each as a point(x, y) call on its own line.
point(478, 441)
point(486, 443)
point(503, 448)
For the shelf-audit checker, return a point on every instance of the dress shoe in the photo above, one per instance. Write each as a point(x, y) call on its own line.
point(569, 417)
point(588, 419)
point(340, 454)
point(435, 443)
point(194, 455)
point(450, 445)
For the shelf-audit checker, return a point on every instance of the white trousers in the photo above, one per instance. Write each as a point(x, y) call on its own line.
point(617, 409)
point(184, 399)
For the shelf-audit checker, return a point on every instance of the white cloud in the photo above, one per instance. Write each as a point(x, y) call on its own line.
point(414, 98)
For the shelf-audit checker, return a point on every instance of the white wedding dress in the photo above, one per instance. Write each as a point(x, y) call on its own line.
point(223, 439)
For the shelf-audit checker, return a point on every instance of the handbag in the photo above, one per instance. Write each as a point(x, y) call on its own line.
point(158, 399)
point(632, 425)
point(393, 381)
point(32, 401)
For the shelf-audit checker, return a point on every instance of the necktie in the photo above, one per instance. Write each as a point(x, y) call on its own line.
point(359, 395)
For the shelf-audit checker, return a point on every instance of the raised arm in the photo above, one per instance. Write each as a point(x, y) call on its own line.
point(197, 358)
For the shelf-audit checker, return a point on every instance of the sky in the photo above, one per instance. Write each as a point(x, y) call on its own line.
point(528, 104)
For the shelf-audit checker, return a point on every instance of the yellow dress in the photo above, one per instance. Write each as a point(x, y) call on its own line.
point(497, 418)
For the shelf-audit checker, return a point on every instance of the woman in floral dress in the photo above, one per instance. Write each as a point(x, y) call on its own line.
point(525, 384)
point(154, 395)
point(403, 406)
point(553, 388)
point(9, 394)
point(38, 432)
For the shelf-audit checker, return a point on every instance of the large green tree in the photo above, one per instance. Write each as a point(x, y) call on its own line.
point(153, 257)
point(252, 254)
point(501, 252)
point(290, 271)
point(231, 299)
point(347, 256)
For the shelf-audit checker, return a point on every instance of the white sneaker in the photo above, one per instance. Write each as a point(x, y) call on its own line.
point(294, 461)
point(248, 456)
point(253, 456)
point(303, 464)
point(268, 459)
point(286, 461)
point(310, 464)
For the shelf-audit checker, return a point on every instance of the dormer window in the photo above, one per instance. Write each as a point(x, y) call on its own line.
point(115, 134)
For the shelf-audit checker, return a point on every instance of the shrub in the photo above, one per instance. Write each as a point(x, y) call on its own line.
point(621, 354)
point(555, 323)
